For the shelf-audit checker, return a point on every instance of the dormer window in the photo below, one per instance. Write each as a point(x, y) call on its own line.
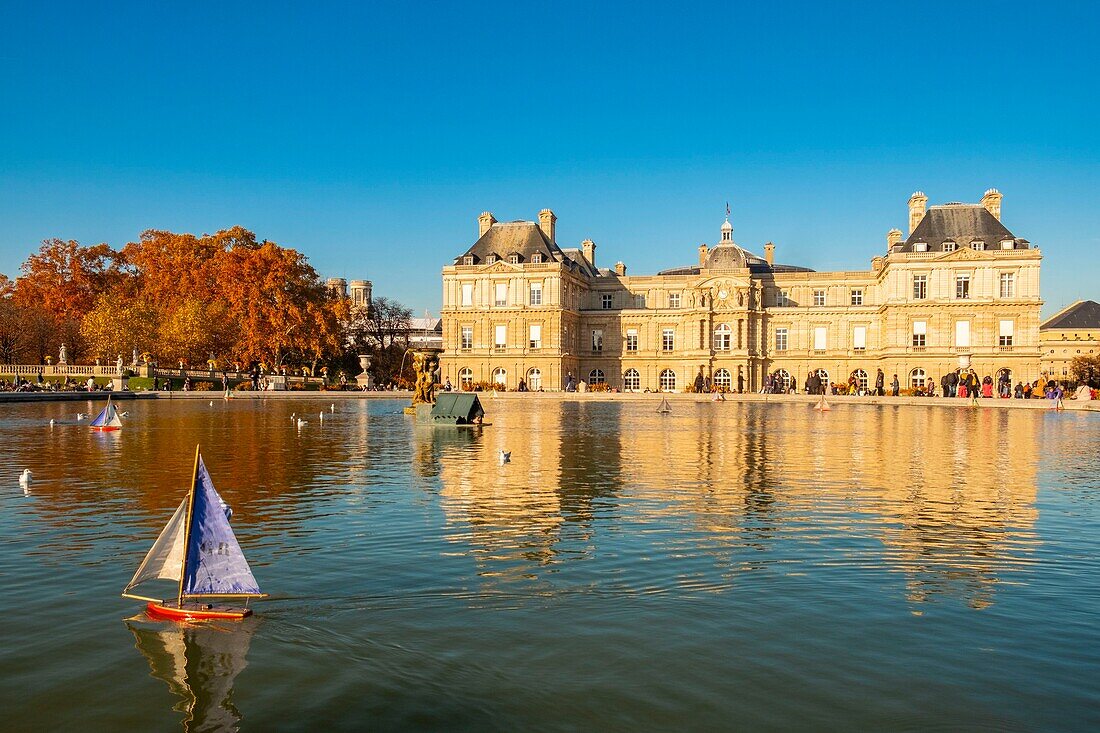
point(536, 258)
point(950, 246)
point(920, 246)
point(977, 245)
point(1008, 244)
point(491, 259)
point(514, 259)
point(468, 260)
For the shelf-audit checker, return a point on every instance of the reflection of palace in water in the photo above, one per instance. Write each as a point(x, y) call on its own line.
point(945, 499)
point(199, 662)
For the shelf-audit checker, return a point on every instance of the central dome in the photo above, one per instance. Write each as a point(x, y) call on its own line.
point(728, 256)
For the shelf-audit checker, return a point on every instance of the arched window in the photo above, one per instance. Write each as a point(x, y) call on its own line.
point(465, 379)
point(632, 382)
point(824, 376)
point(784, 380)
point(500, 378)
point(668, 381)
point(534, 380)
point(861, 378)
point(596, 377)
point(723, 335)
point(917, 379)
point(722, 380)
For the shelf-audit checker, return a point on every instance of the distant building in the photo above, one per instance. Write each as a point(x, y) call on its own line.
point(961, 289)
point(426, 332)
point(1071, 332)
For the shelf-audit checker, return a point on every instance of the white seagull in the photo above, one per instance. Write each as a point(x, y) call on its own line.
point(80, 416)
point(505, 457)
point(332, 407)
point(124, 414)
point(321, 416)
point(211, 403)
point(302, 422)
point(25, 477)
point(51, 422)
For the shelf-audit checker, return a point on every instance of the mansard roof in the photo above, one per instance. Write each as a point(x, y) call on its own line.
point(515, 237)
point(961, 224)
point(1084, 314)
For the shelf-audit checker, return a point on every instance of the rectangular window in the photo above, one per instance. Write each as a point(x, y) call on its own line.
point(597, 339)
point(920, 333)
point(859, 338)
point(536, 335)
point(673, 300)
point(1007, 328)
point(962, 286)
point(857, 297)
point(467, 293)
point(467, 337)
point(978, 245)
point(668, 339)
point(1008, 285)
point(962, 334)
point(605, 301)
point(500, 339)
point(819, 338)
point(536, 293)
point(514, 259)
point(632, 339)
point(501, 294)
point(468, 260)
point(781, 299)
point(920, 287)
point(780, 339)
point(819, 297)
point(536, 258)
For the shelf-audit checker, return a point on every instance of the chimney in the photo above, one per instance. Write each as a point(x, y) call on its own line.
point(918, 203)
point(547, 222)
point(589, 248)
point(702, 255)
point(484, 222)
point(620, 269)
point(769, 253)
point(893, 238)
point(992, 202)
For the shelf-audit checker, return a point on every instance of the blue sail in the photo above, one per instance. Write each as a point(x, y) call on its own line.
point(102, 418)
point(215, 563)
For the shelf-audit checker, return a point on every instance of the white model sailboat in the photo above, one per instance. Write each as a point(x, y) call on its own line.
point(197, 548)
point(108, 418)
point(664, 406)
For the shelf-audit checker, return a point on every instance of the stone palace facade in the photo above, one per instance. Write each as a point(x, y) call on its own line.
point(960, 289)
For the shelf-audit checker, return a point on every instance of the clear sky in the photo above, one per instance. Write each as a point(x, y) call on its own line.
point(371, 135)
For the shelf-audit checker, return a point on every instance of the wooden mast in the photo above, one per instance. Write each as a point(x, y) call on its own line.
point(187, 527)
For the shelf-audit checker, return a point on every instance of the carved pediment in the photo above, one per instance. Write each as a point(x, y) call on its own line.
point(963, 254)
point(500, 266)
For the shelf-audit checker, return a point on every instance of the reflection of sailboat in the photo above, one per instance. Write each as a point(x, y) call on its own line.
point(199, 662)
point(822, 405)
point(108, 418)
point(664, 406)
point(197, 548)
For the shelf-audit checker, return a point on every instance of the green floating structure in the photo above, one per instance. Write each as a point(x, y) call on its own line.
point(456, 408)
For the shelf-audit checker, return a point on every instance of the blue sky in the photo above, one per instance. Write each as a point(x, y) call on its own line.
point(371, 135)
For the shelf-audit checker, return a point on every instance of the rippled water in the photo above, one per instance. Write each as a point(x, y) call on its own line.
point(728, 566)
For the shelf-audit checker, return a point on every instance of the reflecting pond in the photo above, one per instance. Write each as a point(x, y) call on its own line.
point(729, 565)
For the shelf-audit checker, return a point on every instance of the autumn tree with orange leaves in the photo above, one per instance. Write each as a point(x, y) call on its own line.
point(179, 297)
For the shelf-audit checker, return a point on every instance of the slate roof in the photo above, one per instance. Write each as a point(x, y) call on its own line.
point(1083, 314)
point(962, 224)
point(729, 256)
point(515, 237)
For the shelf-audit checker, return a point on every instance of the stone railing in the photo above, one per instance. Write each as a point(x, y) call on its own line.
point(68, 370)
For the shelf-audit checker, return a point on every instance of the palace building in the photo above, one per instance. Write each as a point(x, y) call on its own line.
point(959, 290)
point(1071, 332)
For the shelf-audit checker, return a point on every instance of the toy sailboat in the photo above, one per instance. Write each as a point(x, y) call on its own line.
point(664, 407)
point(108, 418)
point(822, 405)
point(197, 549)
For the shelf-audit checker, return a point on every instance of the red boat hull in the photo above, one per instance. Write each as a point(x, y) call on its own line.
point(189, 611)
point(104, 429)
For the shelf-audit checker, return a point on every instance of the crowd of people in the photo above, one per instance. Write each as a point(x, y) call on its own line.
point(19, 384)
point(959, 383)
